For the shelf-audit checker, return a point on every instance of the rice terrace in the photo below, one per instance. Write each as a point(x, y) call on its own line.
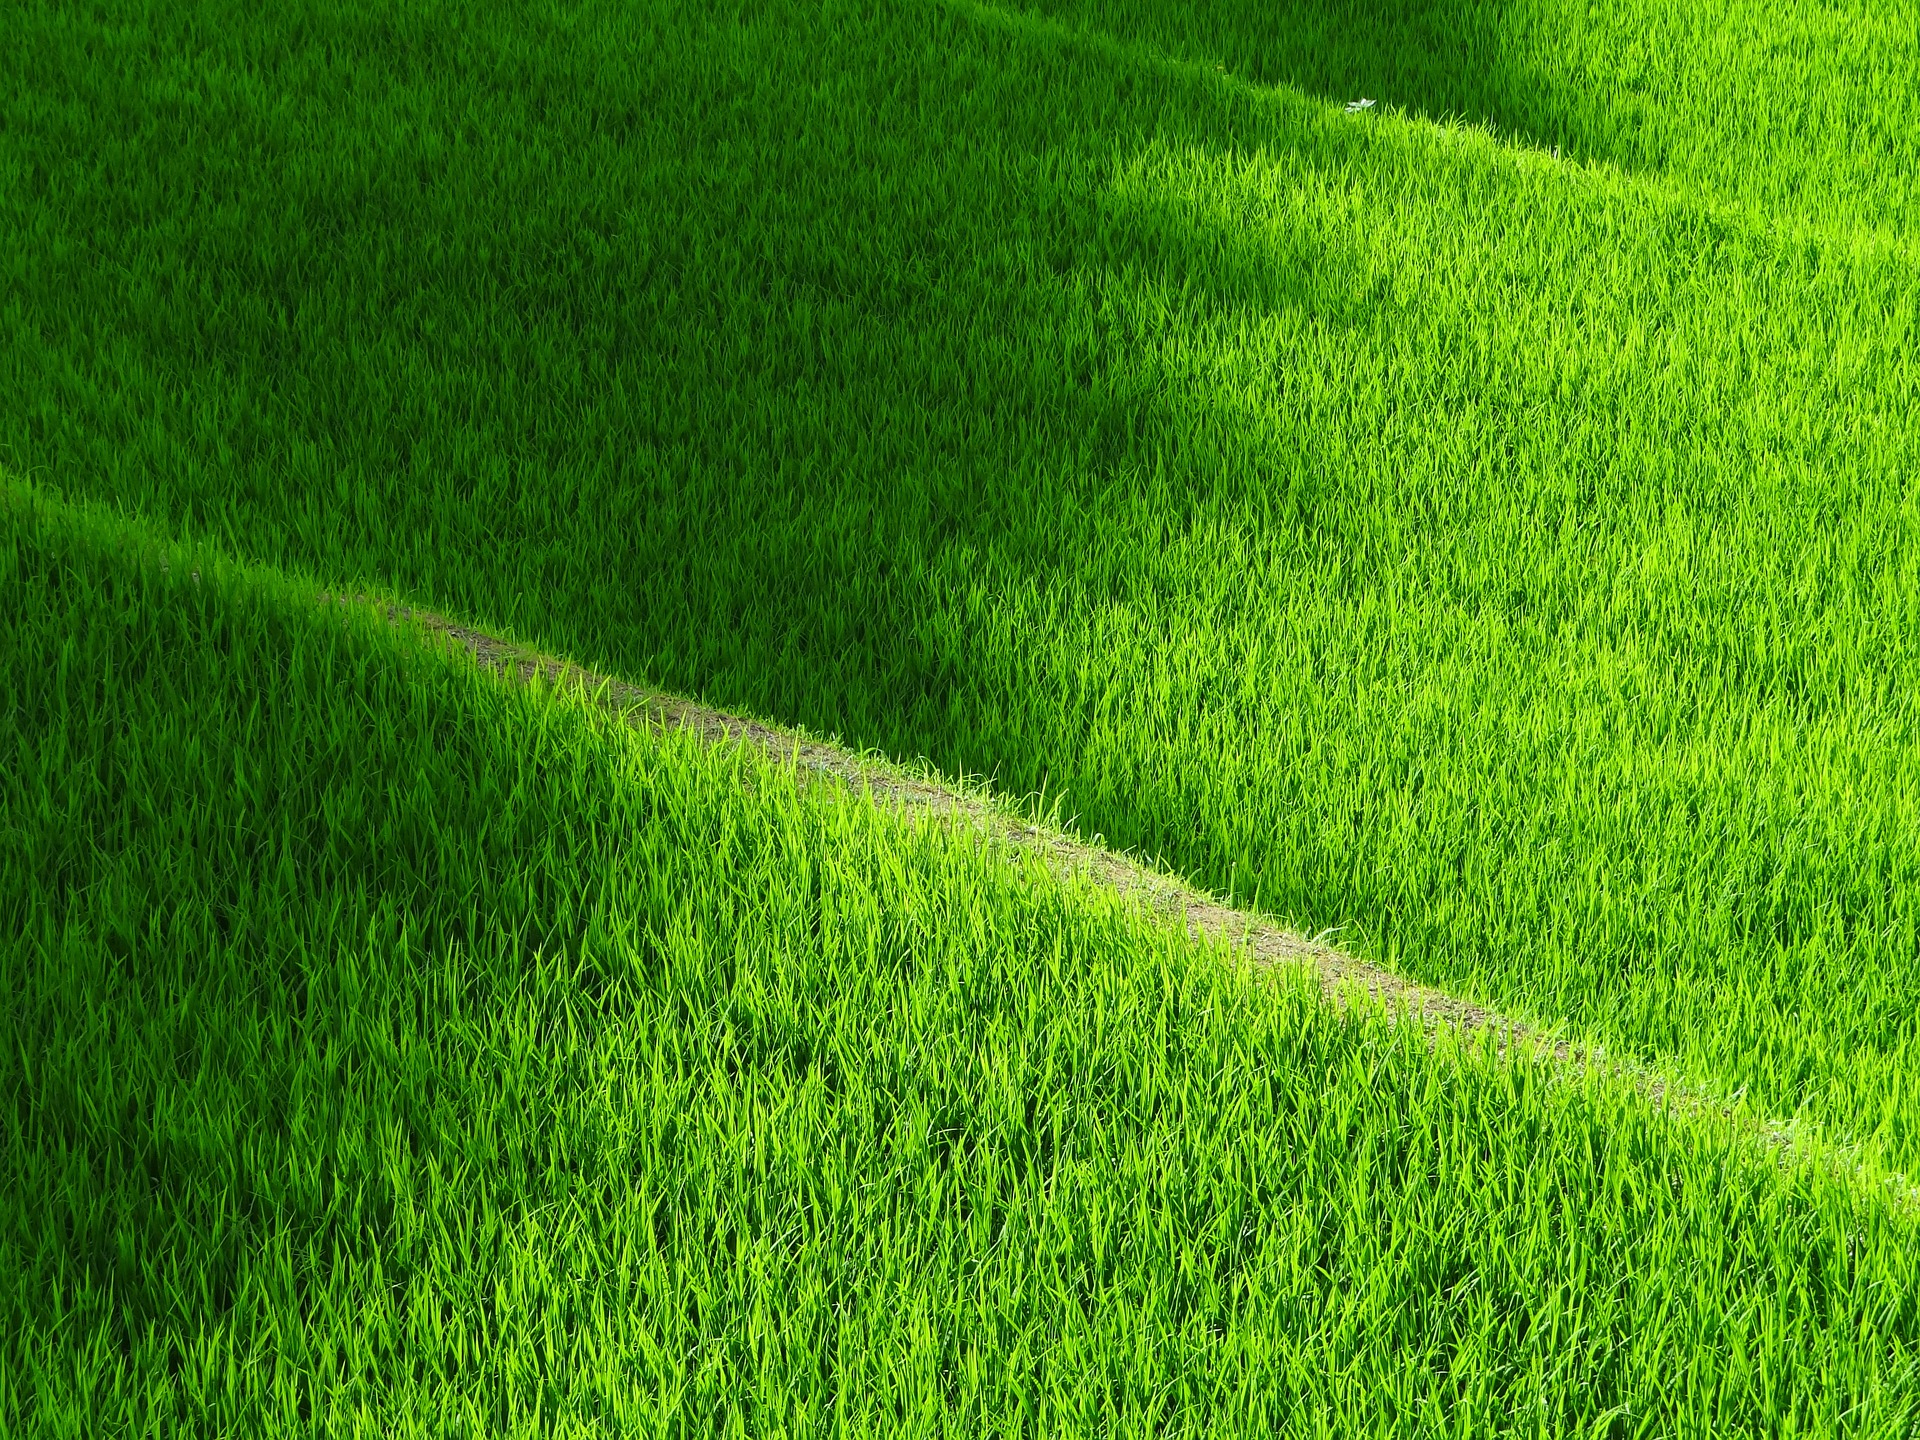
point(960, 718)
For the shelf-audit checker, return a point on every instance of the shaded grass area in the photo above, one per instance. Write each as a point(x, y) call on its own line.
point(1510, 563)
point(395, 1051)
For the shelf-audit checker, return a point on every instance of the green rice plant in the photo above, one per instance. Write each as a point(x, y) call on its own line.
point(395, 1050)
point(1506, 561)
point(1783, 111)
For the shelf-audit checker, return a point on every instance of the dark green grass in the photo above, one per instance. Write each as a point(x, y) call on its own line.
point(394, 1051)
point(1512, 562)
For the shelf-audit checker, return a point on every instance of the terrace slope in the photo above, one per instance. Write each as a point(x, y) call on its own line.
point(394, 1050)
point(1512, 563)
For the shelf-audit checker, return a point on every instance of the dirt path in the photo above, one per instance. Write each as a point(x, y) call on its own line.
point(1342, 976)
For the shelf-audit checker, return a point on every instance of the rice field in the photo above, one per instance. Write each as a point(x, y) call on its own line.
point(1480, 526)
point(400, 1052)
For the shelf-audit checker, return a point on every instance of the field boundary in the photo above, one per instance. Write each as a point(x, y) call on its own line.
point(1343, 978)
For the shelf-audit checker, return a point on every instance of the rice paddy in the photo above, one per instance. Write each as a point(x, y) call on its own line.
point(400, 1052)
point(1480, 526)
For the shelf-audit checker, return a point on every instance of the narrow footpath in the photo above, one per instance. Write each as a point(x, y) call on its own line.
point(1343, 977)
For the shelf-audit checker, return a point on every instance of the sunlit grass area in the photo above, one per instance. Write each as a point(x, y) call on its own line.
point(1481, 527)
point(1785, 113)
point(394, 1050)
point(1508, 561)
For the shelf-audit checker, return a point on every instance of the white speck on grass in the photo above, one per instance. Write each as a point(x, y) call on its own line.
point(1354, 107)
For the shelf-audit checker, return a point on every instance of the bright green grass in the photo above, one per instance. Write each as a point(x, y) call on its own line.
point(1511, 561)
point(391, 1050)
point(1797, 110)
